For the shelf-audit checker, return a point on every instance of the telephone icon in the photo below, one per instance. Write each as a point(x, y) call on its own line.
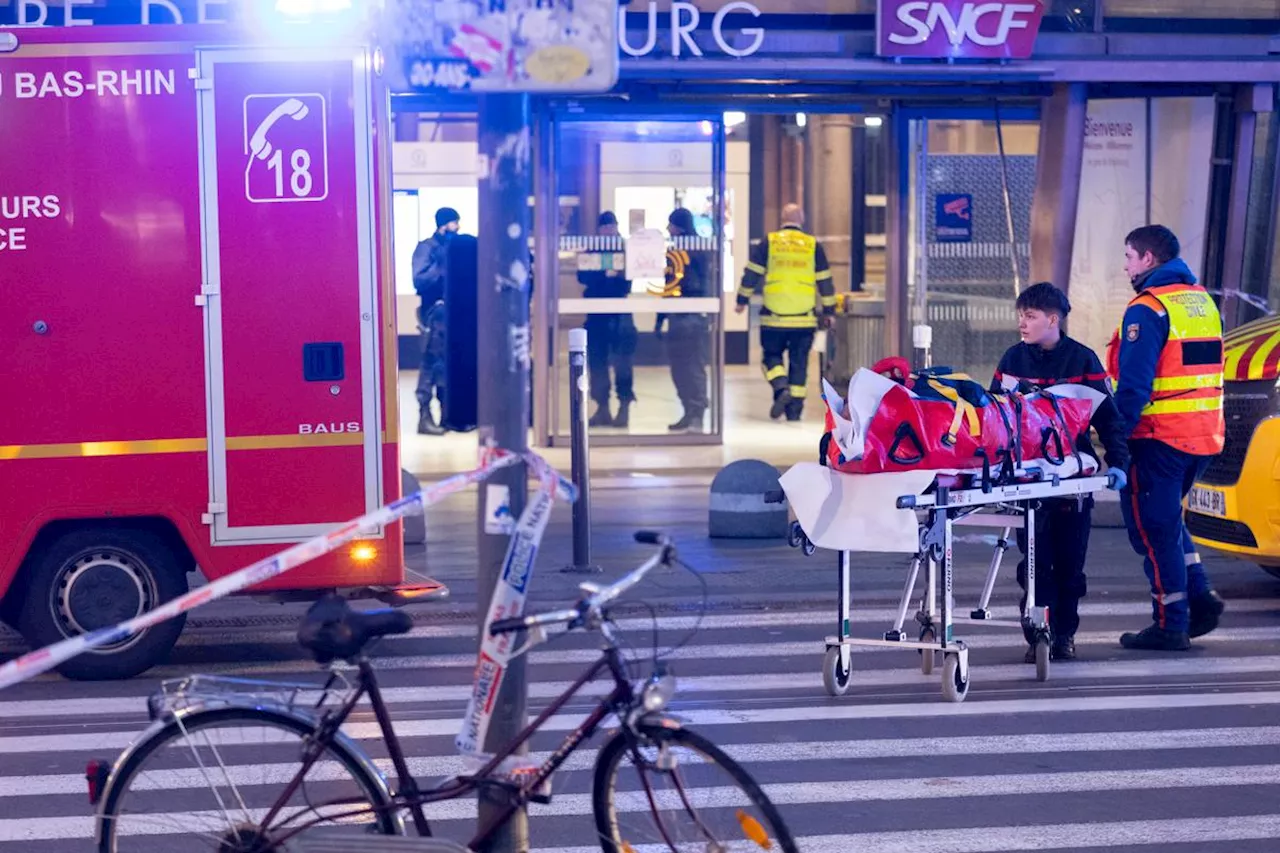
point(286, 147)
point(259, 146)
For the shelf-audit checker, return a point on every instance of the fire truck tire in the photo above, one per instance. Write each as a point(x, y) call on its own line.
point(96, 577)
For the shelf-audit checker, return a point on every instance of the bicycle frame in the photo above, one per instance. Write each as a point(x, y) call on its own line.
point(409, 795)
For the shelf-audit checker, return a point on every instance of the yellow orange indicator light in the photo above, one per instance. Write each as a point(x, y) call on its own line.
point(363, 553)
point(754, 831)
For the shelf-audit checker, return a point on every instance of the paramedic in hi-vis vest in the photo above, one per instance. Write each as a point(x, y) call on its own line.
point(1166, 361)
point(791, 270)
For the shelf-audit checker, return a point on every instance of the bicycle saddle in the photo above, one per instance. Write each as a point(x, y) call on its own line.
point(331, 629)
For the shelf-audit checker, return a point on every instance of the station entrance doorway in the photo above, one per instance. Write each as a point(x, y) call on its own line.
point(655, 312)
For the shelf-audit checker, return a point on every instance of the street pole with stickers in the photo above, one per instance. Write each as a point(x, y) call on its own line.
point(507, 54)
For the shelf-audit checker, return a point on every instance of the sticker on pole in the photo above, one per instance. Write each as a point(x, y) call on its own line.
point(517, 46)
point(286, 147)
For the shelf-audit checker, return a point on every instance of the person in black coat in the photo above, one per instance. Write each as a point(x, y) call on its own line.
point(1047, 357)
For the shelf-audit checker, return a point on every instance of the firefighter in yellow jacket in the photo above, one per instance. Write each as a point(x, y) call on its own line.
point(791, 270)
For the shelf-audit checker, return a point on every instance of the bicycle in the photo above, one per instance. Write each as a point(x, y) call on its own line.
point(248, 821)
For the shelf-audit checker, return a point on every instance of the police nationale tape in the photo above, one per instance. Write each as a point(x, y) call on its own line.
point(42, 660)
point(508, 601)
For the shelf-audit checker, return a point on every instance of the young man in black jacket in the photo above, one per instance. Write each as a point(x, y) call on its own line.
point(1047, 357)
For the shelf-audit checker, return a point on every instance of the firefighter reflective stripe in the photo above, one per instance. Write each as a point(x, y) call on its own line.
point(1186, 383)
point(756, 268)
point(677, 260)
point(775, 372)
point(799, 321)
point(797, 392)
point(790, 283)
point(1178, 405)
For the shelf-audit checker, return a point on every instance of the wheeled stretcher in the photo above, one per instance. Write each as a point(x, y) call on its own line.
point(915, 512)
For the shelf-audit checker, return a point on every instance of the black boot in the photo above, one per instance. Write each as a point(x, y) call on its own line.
point(1064, 648)
point(1155, 638)
point(1206, 610)
point(427, 423)
point(602, 418)
point(691, 422)
point(623, 418)
point(780, 402)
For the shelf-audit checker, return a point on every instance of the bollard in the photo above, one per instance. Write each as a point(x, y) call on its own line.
point(739, 509)
point(579, 457)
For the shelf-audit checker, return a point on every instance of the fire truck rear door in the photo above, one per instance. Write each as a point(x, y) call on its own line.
point(289, 291)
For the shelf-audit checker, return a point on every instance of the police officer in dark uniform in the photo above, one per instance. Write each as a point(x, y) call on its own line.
point(430, 265)
point(688, 341)
point(611, 338)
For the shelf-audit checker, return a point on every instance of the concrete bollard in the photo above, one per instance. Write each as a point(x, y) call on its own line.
point(738, 507)
point(415, 526)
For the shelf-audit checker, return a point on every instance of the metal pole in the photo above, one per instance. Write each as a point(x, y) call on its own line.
point(922, 332)
point(579, 453)
point(1008, 206)
point(506, 182)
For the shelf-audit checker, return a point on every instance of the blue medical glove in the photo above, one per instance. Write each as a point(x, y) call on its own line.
point(1118, 479)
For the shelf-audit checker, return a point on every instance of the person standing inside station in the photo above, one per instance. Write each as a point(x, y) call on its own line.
point(430, 267)
point(688, 276)
point(611, 338)
point(1166, 361)
point(790, 269)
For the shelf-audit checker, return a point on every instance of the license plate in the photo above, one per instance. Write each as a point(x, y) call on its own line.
point(1207, 501)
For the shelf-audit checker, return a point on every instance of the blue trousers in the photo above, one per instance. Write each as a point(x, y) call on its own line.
point(1160, 477)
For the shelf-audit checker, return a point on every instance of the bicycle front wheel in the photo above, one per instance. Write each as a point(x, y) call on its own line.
point(205, 782)
point(685, 794)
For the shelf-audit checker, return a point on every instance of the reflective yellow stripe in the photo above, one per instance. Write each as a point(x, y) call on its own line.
point(1187, 383)
point(772, 373)
point(1259, 361)
point(1183, 406)
point(828, 301)
point(755, 268)
point(822, 276)
point(745, 292)
point(797, 392)
point(152, 447)
point(284, 442)
point(102, 448)
point(801, 321)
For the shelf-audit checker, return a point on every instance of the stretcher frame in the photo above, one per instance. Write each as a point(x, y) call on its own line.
point(942, 509)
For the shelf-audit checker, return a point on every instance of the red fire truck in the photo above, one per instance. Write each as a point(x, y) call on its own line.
point(197, 321)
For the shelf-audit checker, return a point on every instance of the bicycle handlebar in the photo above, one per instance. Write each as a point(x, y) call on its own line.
point(597, 597)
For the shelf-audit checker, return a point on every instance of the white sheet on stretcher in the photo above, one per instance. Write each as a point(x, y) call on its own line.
point(859, 512)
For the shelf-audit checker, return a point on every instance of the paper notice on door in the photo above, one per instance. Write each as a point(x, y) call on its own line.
point(646, 255)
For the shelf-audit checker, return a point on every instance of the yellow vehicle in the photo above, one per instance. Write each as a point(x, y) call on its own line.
point(1235, 505)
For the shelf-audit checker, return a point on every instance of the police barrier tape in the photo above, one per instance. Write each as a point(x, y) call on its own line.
point(508, 601)
point(42, 660)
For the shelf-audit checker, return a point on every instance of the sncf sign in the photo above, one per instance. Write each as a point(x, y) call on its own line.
point(970, 29)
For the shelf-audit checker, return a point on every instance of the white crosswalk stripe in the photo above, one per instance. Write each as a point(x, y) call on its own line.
point(1116, 752)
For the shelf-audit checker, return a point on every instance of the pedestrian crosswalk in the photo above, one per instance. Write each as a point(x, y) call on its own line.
point(1118, 751)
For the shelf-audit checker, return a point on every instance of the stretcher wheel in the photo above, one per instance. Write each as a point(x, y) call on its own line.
point(953, 689)
point(835, 677)
point(927, 658)
point(1042, 659)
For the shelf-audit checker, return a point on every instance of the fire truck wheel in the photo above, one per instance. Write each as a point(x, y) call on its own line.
point(94, 578)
